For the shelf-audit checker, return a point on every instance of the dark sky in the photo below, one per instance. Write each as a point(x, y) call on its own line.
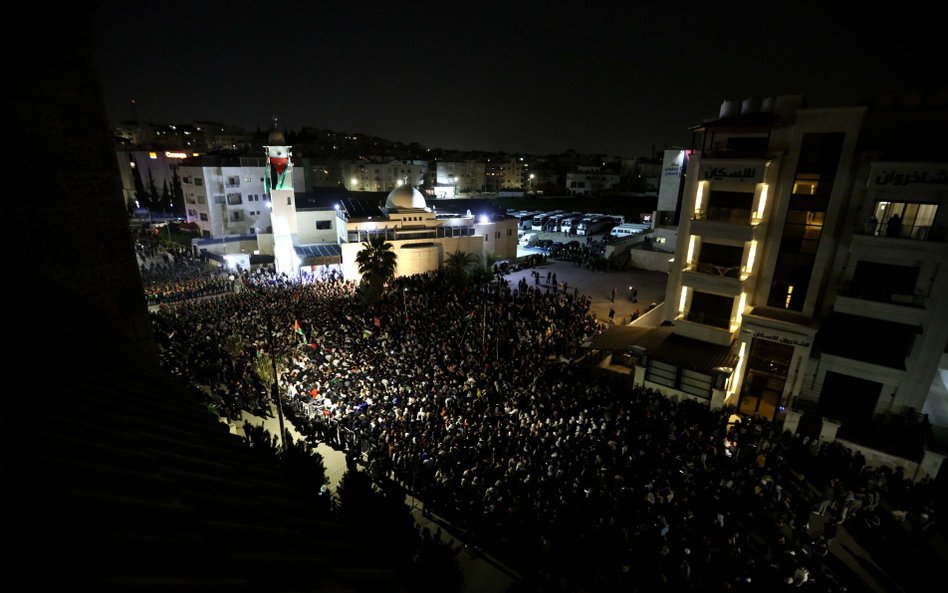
point(599, 78)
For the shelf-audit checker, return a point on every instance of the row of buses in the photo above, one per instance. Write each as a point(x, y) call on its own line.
point(564, 222)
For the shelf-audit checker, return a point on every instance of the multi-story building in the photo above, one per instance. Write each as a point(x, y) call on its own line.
point(590, 183)
point(226, 196)
point(369, 176)
point(811, 258)
point(465, 176)
point(510, 174)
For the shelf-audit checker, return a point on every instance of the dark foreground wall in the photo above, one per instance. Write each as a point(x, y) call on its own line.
point(69, 230)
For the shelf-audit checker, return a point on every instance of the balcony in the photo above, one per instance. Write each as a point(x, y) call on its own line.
point(713, 278)
point(874, 303)
point(700, 327)
point(724, 223)
point(873, 228)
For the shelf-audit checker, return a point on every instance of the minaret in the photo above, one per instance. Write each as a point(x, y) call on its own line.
point(279, 185)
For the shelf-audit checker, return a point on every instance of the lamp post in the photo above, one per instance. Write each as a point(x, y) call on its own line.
point(530, 185)
point(275, 388)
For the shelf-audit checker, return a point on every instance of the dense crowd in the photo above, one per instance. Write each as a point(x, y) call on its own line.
point(472, 400)
point(172, 273)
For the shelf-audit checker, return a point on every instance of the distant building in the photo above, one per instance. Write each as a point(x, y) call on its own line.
point(590, 183)
point(156, 165)
point(225, 195)
point(305, 231)
point(465, 176)
point(374, 177)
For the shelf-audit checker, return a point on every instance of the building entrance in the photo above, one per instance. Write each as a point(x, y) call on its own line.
point(762, 389)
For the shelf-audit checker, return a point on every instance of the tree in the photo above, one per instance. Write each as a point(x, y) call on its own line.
point(141, 196)
point(153, 197)
point(482, 271)
point(376, 263)
point(177, 193)
point(458, 266)
point(165, 197)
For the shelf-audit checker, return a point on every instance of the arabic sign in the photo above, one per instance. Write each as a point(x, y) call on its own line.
point(731, 173)
point(781, 339)
point(900, 176)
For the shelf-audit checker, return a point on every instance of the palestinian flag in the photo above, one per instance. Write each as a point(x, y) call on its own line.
point(297, 329)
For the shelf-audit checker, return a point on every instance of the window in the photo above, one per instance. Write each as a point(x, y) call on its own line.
point(236, 216)
point(248, 179)
point(497, 235)
point(289, 201)
point(233, 182)
point(323, 225)
point(198, 181)
point(509, 232)
point(204, 216)
point(234, 199)
point(186, 179)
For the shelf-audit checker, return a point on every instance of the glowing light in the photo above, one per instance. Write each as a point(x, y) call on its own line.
point(152, 155)
point(684, 297)
point(740, 308)
point(484, 219)
point(399, 183)
point(691, 250)
point(699, 195)
point(354, 181)
point(337, 206)
point(786, 304)
point(737, 370)
point(751, 255)
point(176, 155)
point(762, 203)
point(195, 154)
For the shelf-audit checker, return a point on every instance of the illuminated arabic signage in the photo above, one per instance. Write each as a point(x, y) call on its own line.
point(908, 175)
point(176, 155)
point(781, 339)
point(731, 173)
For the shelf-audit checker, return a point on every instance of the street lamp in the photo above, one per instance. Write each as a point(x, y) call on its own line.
point(531, 181)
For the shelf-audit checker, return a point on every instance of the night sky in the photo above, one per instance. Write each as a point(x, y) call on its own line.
point(615, 79)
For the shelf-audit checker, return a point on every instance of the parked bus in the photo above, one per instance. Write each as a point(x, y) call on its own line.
point(592, 225)
point(553, 223)
point(541, 218)
point(568, 222)
point(526, 220)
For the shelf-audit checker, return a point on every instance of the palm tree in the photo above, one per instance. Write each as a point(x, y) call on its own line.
point(482, 271)
point(376, 263)
point(458, 266)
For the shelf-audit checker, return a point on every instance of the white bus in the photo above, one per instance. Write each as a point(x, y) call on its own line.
point(541, 218)
point(627, 230)
point(594, 224)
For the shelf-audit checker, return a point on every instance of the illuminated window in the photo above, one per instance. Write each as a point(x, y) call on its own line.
point(806, 184)
point(786, 304)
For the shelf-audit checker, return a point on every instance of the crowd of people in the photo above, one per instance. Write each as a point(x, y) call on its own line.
point(473, 401)
point(172, 273)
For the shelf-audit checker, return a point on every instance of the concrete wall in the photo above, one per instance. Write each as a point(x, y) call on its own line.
point(650, 260)
point(306, 226)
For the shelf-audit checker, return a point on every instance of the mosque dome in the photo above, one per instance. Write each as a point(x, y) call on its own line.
point(276, 138)
point(405, 198)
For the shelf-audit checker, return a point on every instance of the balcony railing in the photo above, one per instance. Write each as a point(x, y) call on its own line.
point(874, 228)
point(706, 319)
point(728, 215)
point(876, 294)
point(715, 270)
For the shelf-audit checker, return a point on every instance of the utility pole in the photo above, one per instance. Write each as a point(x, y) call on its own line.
point(276, 383)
